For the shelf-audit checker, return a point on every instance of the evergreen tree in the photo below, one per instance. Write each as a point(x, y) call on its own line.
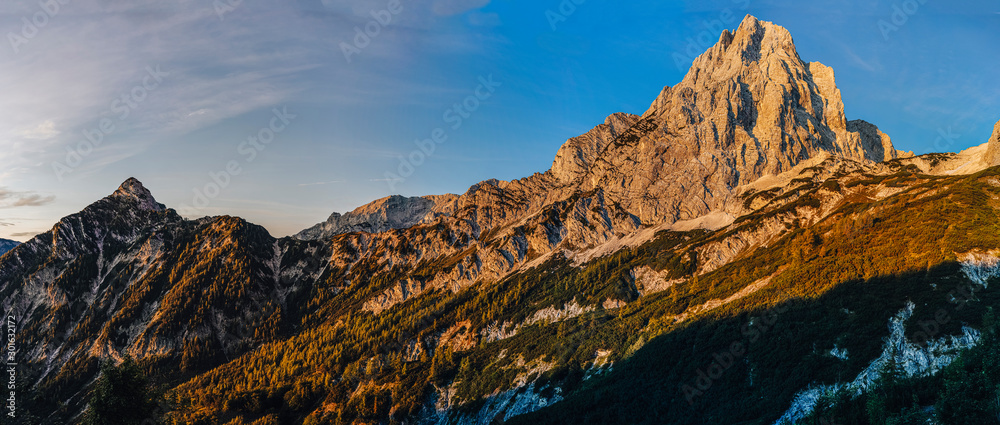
point(120, 396)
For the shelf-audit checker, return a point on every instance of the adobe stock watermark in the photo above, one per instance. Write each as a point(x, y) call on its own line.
point(249, 149)
point(930, 329)
point(363, 37)
point(38, 21)
point(901, 13)
point(456, 115)
point(562, 13)
point(755, 329)
point(709, 36)
point(225, 7)
point(10, 363)
point(121, 108)
point(946, 138)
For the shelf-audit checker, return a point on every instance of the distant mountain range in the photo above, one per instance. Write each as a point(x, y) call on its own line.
point(7, 245)
point(739, 253)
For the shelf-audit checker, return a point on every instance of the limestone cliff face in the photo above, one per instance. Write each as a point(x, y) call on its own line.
point(393, 212)
point(992, 156)
point(748, 108)
point(577, 155)
point(750, 129)
point(876, 143)
point(968, 161)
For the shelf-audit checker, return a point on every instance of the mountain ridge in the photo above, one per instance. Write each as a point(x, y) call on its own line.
point(686, 155)
point(7, 245)
point(680, 224)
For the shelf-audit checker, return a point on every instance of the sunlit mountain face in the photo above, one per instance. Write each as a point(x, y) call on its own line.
point(742, 251)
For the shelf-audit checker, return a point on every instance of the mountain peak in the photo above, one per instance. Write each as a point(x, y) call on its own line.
point(754, 44)
point(992, 157)
point(133, 189)
point(392, 212)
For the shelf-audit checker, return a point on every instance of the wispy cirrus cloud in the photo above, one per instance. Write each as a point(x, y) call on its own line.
point(44, 131)
point(454, 7)
point(323, 183)
point(262, 54)
point(13, 199)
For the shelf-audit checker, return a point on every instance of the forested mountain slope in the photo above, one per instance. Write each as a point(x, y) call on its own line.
point(740, 253)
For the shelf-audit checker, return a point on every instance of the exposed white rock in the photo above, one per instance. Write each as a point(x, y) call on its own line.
point(911, 359)
point(551, 314)
point(840, 353)
point(714, 220)
point(393, 212)
point(648, 281)
point(525, 397)
point(505, 405)
point(548, 315)
point(980, 267)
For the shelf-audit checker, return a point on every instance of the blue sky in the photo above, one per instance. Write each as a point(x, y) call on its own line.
point(172, 90)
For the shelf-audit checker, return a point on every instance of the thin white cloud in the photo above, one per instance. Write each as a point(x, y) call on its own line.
point(43, 131)
point(69, 77)
point(12, 199)
point(323, 183)
point(256, 58)
point(481, 19)
point(863, 64)
point(455, 7)
point(213, 71)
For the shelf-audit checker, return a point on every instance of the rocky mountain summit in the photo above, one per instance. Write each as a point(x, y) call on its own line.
point(393, 212)
point(748, 108)
point(133, 190)
point(741, 206)
point(992, 156)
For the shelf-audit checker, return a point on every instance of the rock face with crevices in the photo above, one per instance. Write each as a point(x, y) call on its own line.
point(749, 107)
point(127, 276)
point(393, 212)
point(992, 156)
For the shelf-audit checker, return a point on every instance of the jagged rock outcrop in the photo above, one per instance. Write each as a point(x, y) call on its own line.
point(992, 156)
point(876, 144)
point(393, 212)
point(968, 161)
point(132, 189)
point(126, 276)
point(577, 155)
point(751, 128)
point(748, 108)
